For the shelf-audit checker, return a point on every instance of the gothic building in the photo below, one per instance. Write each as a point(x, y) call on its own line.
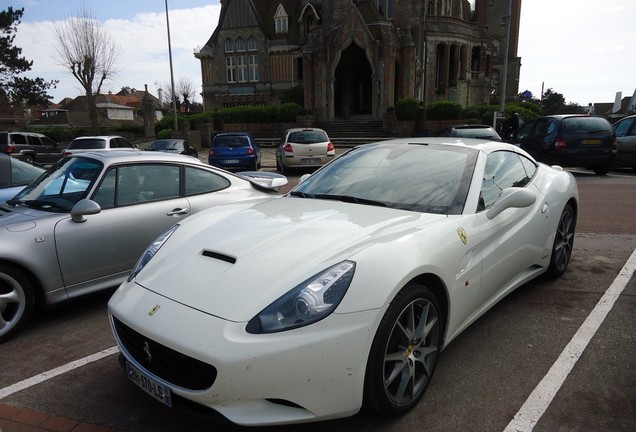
point(359, 57)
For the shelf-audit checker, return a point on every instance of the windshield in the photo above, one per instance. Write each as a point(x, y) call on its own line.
point(88, 144)
point(417, 177)
point(163, 145)
point(60, 188)
point(231, 141)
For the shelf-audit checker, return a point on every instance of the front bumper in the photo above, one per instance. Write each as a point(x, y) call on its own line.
point(308, 374)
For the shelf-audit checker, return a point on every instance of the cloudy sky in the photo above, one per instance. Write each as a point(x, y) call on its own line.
point(582, 49)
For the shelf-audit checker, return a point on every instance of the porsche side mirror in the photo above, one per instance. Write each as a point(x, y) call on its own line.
point(82, 208)
point(512, 198)
point(303, 178)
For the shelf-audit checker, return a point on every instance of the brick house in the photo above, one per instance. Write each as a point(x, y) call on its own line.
point(359, 57)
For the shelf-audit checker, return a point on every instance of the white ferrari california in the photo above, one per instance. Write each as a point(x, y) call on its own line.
point(340, 295)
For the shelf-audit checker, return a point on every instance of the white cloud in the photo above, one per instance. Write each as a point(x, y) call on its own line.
point(143, 44)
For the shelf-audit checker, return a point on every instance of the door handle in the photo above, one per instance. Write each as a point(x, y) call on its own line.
point(178, 212)
point(545, 208)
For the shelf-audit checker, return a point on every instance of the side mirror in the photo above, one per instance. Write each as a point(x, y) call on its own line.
point(265, 179)
point(303, 178)
point(82, 208)
point(512, 198)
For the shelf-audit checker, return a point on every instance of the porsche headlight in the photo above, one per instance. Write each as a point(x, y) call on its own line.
point(151, 251)
point(307, 303)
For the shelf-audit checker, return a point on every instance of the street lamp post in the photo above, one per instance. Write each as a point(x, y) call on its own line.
point(174, 99)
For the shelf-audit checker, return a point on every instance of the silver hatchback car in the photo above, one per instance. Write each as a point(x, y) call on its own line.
point(81, 227)
point(304, 148)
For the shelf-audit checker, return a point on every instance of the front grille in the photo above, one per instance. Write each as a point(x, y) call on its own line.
point(163, 362)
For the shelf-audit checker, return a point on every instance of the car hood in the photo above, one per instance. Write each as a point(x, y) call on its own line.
point(233, 261)
point(20, 218)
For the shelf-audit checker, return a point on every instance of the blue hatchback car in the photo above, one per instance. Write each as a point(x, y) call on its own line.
point(235, 150)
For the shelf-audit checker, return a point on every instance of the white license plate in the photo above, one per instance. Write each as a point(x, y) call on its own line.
point(158, 391)
point(231, 161)
point(311, 161)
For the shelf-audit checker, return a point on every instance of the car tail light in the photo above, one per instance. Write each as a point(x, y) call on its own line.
point(67, 153)
point(250, 151)
point(560, 144)
point(288, 148)
point(614, 145)
point(212, 152)
point(10, 148)
point(330, 147)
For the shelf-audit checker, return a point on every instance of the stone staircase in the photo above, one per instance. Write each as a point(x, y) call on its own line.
point(348, 133)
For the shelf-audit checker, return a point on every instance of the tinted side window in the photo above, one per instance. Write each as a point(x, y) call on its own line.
point(198, 181)
point(34, 140)
point(122, 143)
point(622, 128)
point(48, 141)
point(503, 170)
point(17, 138)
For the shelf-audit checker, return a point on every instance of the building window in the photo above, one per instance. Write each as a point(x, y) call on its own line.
point(230, 68)
point(281, 19)
point(240, 44)
point(386, 8)
point(241, 68)
point(229, 45)
point(252, 44)
point(253, 67)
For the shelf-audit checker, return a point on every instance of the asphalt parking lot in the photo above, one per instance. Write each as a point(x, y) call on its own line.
point(552, 356)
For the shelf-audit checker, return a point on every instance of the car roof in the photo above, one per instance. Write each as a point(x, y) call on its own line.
point(97, 137)
point(475, 143)
point(308, 129)
point(119, 156)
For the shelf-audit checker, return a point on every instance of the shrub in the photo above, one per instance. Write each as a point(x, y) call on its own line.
point(164, 133)
point(406, 109)
point(444, 110)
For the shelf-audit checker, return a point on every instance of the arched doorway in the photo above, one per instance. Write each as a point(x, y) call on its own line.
point(353, 92)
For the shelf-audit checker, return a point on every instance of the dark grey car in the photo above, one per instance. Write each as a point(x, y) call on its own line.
point(571, 140)
point(626, 142)
point(30, 147)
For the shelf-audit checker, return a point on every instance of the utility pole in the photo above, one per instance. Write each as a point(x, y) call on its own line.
point(174, 96)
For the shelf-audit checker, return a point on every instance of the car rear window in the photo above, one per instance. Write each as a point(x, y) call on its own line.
point(308, 137)
point(88, 144)
point(231, 141)
point(586, 126)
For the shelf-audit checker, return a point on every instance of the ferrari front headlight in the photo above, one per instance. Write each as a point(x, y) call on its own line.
point(151, 251)
point(311, 301)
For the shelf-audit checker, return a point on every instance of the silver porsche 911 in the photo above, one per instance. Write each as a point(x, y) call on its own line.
point(81, 227)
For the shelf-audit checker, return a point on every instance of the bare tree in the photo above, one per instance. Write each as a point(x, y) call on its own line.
point(86, 49)
point(185, 92)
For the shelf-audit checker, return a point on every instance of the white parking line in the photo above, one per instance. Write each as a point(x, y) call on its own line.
point(526, 419)
point(19, 386)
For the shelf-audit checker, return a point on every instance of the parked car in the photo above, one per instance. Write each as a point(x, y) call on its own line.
point(471, 131)
point(179, 146)
point(625, 130)
point(30, 147)
point(341, 294)
point(304, 148)
point(235, 150)
point(80, 227)
point(98, 143)
point(15, 175)
point(571, 140)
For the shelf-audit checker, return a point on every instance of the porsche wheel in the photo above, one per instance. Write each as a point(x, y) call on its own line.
point(563, 243)
point(404, 352)
point(16, 301)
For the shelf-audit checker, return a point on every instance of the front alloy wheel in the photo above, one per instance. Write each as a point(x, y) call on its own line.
point(404, 352)
point(16, 301)
point(563, 243)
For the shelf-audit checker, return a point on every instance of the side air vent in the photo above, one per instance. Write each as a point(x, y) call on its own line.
point(219, 256)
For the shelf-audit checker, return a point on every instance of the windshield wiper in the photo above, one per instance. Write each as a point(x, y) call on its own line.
point(350, 199)
point(37, 204)
point(301, 194)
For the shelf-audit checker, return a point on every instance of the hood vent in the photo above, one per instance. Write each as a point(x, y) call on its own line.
point(219, 256)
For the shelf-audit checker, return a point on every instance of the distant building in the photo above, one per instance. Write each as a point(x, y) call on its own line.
point(359, 57)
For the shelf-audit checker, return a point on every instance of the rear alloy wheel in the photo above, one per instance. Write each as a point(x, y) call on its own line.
point(563, 243)
point(16, 301)
point(404, 352)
